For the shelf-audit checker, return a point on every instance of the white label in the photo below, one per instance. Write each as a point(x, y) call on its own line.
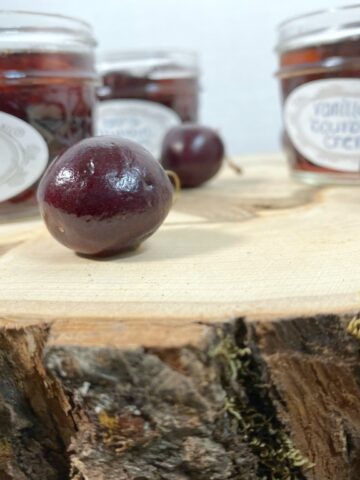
point(141, 121)
point(322, 119)
point(24, 156)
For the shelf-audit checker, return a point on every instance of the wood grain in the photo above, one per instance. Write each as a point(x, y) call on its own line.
point(264, 260)
point(218, 350)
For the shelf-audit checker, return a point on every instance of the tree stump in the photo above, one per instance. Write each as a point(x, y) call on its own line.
point(226, 347)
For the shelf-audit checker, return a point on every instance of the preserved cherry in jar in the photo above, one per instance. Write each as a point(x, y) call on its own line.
point(320, 82)
point(144, 94)
point(47, 98)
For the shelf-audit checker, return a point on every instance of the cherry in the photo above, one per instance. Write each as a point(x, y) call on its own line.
point(194, 152)
point(104, 195)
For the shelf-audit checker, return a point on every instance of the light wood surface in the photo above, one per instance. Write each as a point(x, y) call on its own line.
point(257, 244)
point(221, 349)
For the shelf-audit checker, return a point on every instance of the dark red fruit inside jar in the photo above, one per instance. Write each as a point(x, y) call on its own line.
point(56, 103)
point(44, 90)
point(179, 94)
point(193, 152)
point(104, 195)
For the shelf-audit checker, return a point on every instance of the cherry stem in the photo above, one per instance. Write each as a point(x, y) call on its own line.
point(234, 166)
point(174, 177)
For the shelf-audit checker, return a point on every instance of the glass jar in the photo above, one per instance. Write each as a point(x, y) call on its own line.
point(320, 81)
point(47, 98)
point(144, 94)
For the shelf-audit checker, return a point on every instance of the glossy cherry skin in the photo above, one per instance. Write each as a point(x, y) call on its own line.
point(194, 152)
point(104, 195)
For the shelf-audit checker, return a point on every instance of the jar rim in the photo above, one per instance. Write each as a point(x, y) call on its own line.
point(145, 59)
point(146, 52)
point(318, 27)
point(61, 29)
point(35, 13)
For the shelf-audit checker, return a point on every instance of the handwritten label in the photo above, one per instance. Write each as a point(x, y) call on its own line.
point(141, 121)
point(24, 156)
point(322, 119)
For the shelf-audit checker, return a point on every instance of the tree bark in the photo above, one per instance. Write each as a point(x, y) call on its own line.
point(251, 400)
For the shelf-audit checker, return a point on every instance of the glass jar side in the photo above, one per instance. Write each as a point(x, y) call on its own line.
point(143, 94)
point(320, 88)
point(165, 77)
point(49, 85)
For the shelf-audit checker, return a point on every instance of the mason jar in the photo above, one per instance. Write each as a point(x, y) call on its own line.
point(47, 99)
point(319, 73)
point(145, 93)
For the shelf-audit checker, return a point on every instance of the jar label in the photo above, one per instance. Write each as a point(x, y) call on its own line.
point(322, 119)
point(24, 156)
point(141, 121)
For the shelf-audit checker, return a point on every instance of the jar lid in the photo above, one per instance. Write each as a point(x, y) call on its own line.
point(155, 64)
point(34, 31)
point(320, 27)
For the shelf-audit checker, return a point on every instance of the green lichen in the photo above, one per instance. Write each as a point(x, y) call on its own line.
point(6, 453)
point(254, 411)
point(354, 327)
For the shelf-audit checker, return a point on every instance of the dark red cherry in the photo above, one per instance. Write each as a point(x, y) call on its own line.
point(104, 195)
point(194, 152)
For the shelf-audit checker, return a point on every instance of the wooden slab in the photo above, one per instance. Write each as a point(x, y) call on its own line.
point(256, 244)
point(237, 308)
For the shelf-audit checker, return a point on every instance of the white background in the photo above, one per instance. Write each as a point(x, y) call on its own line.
point(235, 39)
